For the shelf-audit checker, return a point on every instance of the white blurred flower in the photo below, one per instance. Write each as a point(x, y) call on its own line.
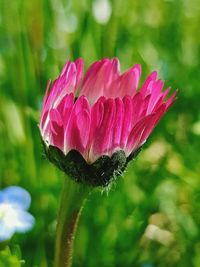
point(102, 10)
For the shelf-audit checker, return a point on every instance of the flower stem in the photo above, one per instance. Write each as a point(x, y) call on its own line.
point(71, 203)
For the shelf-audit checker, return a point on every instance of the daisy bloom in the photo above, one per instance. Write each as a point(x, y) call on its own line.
point(93, 124)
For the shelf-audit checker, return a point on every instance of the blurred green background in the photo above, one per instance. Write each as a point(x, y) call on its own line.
point(151, 217)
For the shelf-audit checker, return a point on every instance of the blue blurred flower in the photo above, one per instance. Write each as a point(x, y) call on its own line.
point(14, 218)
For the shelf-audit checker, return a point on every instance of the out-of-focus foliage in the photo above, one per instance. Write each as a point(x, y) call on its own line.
point(151, 216)
point(9, 259)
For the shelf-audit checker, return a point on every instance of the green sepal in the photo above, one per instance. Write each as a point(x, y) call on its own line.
point(100, 173)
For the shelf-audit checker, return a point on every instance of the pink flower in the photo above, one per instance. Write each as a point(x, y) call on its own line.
point(103, 111)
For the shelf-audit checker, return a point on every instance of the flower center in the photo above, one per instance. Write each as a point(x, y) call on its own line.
point(5, 210)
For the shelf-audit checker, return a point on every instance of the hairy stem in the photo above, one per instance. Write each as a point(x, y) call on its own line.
point(71, 203)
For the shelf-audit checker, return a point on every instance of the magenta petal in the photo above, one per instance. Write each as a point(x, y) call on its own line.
point(65, 108)
point(145, 105)
point(112, 71)
point(66, 103)
point(55, 116)
point(136, 134)
point(130, 80)
point(46, 93)
point(149, 127)
point(113, 90)
point(137, 107)
point(43, 121)
point(157, 87)
point(56, 126)
point(102, 142)
point(67, 78)
point(67, 81)
point(115, 68)
point(81, 104)
point(137, 73)
point(171, 100)
point(158, 115)
point(92, 86)
point(98, 79)
point(97, 113)
point(44, 106)
point(112, 75)
point(147, 85)
point(61, 87)
point(153, 122)
point(126, 84)
point(79, 71)
point(77, 131)
point(118, 123)
point(165, 93)
point(65, 68)
point(127, 121)
point(93, 68)
point(83, 121)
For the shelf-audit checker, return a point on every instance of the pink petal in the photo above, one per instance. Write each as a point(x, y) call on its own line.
point(158, 115)
point(112, 75)
point(118, 123)
point(166, 92)
point(126, 84)
point(96, 117)
point(57, 131)
point(113, 72)
point(171, 100)
point(66, 82)
point(55, 116)
point(157, 87)
point(46, 92)
point(65, 69)
point(145, 105)
point(44, 107)
point(130, 80)
point(76, 134)
point(92, 84)
point(136, 134)
point(137, 73)
point(93, 68)
point(147, 85)
point(59, 89)
point(98, 79)
point(79, 71)
point(152, 123)
point(137, 107)
point(127, 122)
point(113, 90)
point(65, 108)
point(102, 142)
point(149, 128)
point(161, 100)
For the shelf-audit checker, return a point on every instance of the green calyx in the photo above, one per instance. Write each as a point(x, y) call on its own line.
point(100, 173)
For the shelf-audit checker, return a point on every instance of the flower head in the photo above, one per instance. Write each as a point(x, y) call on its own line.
point(14, 218)
point(100, 118)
